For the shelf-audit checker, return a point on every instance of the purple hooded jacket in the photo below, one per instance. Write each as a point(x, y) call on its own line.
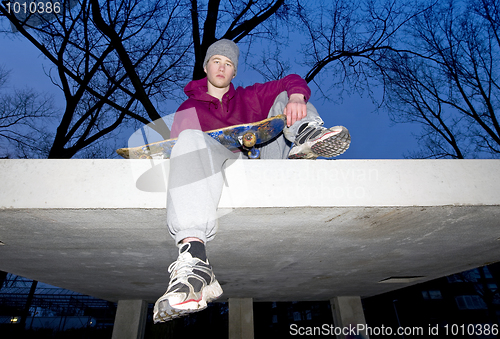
point(238, 106)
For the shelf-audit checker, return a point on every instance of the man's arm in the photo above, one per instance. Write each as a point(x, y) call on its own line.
point(298, 94)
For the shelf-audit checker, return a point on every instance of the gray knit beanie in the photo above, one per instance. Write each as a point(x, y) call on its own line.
point(226, 48)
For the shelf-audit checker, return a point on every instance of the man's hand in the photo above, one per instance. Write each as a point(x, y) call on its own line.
point(296, 109)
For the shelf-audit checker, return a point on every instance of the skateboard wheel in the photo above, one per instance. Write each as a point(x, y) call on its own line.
point(254, 153)
point(249, 139)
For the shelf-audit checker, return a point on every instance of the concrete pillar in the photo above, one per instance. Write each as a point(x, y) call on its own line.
point(241, 318)
point(130, 319)
point(348, 313)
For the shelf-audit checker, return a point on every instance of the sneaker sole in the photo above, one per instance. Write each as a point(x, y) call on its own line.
point(209, 293)
point(329, 145)
point(334, 145)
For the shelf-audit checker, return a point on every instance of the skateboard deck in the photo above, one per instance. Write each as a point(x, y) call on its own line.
point(244, 136)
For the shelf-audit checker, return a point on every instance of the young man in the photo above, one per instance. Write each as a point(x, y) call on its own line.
point(197, 162)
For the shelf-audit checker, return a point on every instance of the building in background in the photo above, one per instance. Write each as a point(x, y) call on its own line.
point(451, 304)
point(27, 306)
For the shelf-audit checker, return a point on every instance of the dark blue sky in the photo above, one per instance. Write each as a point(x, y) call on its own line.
point(373, 134)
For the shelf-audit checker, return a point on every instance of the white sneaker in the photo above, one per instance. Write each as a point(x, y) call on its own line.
point(192, 285)
point(314, 141)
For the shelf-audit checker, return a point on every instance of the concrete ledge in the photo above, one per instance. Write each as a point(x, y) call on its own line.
point(282, 183)
point(290, 230)
point(257, 183)
point(75, 184)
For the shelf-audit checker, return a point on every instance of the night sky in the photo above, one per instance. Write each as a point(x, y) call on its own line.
point(373, 135)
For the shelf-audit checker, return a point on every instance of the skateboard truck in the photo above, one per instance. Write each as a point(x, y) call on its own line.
point(248, 141)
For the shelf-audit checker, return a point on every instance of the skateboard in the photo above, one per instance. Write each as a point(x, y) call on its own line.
point(244, 136)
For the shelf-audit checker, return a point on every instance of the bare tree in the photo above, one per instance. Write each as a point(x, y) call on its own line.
point(116, 61)
point(437, 62)
point(449, 82)
point(24, 114)
point(347, 40)
point(111, 61)
point(272, 66)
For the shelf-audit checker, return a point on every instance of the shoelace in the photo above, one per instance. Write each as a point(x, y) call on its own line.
point(181, 267)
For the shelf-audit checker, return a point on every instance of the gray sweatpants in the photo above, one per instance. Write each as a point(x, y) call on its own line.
point(195, 181)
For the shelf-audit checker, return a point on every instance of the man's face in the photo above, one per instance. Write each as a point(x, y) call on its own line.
point(220, 71)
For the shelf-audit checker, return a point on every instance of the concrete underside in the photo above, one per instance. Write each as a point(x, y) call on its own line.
point(289, 230)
